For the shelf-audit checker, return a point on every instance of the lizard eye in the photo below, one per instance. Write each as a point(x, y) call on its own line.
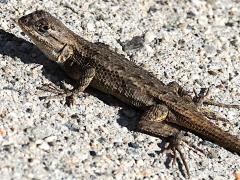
point(43, 29)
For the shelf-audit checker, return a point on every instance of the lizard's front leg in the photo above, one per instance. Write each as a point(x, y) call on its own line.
point(84, 78)
point(155, 122)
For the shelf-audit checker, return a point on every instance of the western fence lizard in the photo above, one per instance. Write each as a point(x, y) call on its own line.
point(167, 109)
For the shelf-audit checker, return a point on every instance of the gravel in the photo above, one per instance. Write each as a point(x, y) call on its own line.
point(195, 43)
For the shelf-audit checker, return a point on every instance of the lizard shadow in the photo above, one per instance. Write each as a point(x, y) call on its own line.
point(28, 53)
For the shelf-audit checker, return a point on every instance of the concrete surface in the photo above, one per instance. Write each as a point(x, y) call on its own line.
point(195, 43)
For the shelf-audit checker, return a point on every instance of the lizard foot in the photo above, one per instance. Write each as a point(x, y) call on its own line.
point(58, 93)
point(174, 146)
point(200, 99)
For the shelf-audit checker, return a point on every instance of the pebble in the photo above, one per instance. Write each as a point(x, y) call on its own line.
point(44, 146)
point(231, 114)
point(125, 130)
point(133, 145)
point(210, 50)
point(3, 132)
point(3, 1)
point(149, 37)
point(90, 26)
point(4, 24)
point(135, 43)
point(220, 21)
point(51, 138)
point(39, 141)
point(203, 20)
point(150, 50)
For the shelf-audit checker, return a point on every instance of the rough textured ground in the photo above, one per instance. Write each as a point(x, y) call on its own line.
point(194, 42)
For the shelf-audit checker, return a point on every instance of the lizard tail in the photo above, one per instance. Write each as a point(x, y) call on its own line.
point(190, 118)
point(206, 129)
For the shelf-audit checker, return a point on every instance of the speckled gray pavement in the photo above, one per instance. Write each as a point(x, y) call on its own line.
point(196, 43)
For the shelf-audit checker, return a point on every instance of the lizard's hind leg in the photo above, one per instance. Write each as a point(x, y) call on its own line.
point(154, 121)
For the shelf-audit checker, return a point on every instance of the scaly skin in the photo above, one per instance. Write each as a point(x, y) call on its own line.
point(167, 108)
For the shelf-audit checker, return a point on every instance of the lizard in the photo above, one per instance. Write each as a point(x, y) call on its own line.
point(167, 109)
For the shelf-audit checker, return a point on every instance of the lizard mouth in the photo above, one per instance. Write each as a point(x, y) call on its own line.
point(22, 23)
point(61, 54)
point(25, 22)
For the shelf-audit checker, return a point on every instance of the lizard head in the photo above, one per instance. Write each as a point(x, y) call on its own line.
point(49, 34)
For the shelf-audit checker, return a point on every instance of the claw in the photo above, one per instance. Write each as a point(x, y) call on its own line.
point(182, 157)
point(58, 93)
point(50, 88)
point(174, 146)
point(199, 97)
